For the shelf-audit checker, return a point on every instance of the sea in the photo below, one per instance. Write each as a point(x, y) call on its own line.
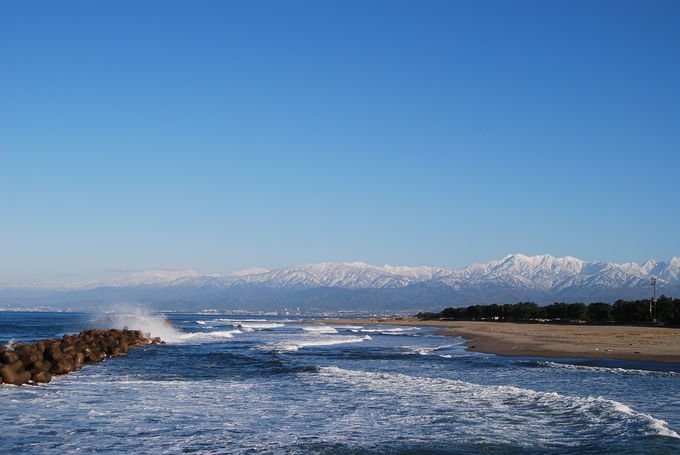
point(226, 384)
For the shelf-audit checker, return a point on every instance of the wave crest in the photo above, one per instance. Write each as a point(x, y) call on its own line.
point(477, 405)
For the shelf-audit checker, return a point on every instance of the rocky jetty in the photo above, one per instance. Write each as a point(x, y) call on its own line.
point(38, 362)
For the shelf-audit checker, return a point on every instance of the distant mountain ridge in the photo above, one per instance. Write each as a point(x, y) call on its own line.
point(339, 286)
point(517, 270)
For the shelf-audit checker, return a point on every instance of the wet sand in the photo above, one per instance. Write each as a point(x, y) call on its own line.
point(624, 342)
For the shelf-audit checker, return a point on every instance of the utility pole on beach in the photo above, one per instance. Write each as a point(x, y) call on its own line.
point(652, 303)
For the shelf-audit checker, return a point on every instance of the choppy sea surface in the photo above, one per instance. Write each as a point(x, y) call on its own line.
point(251, 385)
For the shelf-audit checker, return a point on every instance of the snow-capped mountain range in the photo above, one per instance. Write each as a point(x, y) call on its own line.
point(542, 272)
point(516, 277)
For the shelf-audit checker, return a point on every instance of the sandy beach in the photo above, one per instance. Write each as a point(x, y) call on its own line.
point(650, 344)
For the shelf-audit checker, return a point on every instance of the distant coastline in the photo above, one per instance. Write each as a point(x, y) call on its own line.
point(623, 342)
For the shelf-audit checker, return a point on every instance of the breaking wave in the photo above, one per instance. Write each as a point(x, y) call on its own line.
point(208, 336)
point(495, 410)
point(140, 319)
point(429, 350)
point(158, 326)
point(294, 345)
point(319, 329)
point(258, 325)
point(393, 330)
point(589, 368)
point(227, 321)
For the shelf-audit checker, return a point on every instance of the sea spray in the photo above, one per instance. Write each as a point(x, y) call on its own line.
point(139, 318)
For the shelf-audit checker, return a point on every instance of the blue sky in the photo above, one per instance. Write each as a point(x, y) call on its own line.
point(221, 135)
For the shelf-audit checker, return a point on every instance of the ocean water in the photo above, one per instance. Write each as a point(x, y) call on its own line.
point(252, 385)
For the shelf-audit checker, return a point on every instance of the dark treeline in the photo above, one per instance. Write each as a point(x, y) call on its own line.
point(625, 312)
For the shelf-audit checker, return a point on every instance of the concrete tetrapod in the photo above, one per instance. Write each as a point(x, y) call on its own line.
point(39, 361)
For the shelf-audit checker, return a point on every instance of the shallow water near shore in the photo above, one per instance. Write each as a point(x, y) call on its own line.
point(235, 384)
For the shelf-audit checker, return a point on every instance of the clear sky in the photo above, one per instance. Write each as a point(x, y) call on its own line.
point(221, 135)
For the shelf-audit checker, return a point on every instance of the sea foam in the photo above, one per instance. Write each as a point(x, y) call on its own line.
point(489, 402)
point(606, 370)
point(208, 336)
point(257, 325)
point(319, 329)
point(294, 345)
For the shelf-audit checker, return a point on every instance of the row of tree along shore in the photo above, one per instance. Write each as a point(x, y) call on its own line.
point(664, 310)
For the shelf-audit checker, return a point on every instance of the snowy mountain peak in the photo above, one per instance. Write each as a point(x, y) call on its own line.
point(672, 271)
point(353, 275)
point(518, 275)
point(253, 271)
point(540, 272)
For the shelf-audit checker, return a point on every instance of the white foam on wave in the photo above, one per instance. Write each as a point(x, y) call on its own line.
point(472, 401)
point(319, 329)
point(208, 336)
point(659, 426)
point(476, 355)
point(393, 330)
point(228, 321)
point(294, 345)
point(428, 350)
point(387, 331)
point(260, 326)
point(588, 368)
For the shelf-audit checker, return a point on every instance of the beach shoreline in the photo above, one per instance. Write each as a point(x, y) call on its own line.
point(622, 342)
